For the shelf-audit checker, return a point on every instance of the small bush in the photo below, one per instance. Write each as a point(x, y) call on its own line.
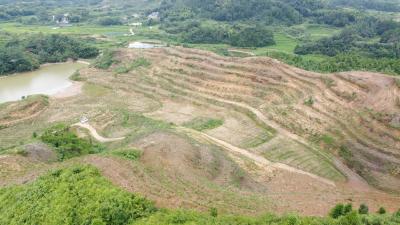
point(130, 154)
point(363, 209)
point(397, 214)
point(213, 212)
point(121, 69)
point(345, 153)
point(76, 76)
point(106, 60)
point(309, 101)
point(337, 211)
point(140, 62)
point(21, 152)
point(347, 208)
point(381, 210)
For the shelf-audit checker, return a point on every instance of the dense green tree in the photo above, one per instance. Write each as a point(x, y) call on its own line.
point(26, 53)
point(252, 36)
point(109, 21)
point(16, 60)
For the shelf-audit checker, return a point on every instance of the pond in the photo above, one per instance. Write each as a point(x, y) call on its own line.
point(143, 45)
point(48, 80)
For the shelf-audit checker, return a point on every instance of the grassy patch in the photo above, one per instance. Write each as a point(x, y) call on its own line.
point(257, 140)
point(203, 123)
point(130, 154)
point(94, 90)
point(284, 43)
point(140, 62)
point(302, 157)
point(137, 63)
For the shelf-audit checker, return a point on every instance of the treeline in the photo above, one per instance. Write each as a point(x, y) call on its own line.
point(356, 40)
point(33, 12)
point(27, 53)
point(183, 17)
point(286, 12)
point(241, 35)
point(340, 63)
point(379, 5)
point(354, 49)
point(80, 195)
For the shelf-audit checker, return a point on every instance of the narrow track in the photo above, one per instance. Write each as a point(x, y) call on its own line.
point(95, 135)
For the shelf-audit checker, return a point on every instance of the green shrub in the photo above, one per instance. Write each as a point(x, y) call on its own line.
point(337, 211)
point(202, 123)
point(214, 212)
point(130, 154)
point(309, 101)
point(105, 60)
point(78, 195)
point(21, 152)
point(67, 144)
point(381, 210)
point(76, 76)
point(347, 208)
point(140, 62)
point(397, 214)
point(363, 209)
point(345, 153)
point(121, 69)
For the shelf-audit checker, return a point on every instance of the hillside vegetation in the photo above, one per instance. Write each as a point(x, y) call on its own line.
point(20, 54)
point(79, 195)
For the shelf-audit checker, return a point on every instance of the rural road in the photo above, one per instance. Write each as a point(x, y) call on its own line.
point(95, 135)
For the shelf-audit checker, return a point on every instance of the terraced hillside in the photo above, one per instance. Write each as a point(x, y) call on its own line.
point(243, 135)
point(353, 115)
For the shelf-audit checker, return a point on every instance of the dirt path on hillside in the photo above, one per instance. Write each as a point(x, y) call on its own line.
point(353, 178)
point(259, 160)
point(240, 51)
point(95, 135)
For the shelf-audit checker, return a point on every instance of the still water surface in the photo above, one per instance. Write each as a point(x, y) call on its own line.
point(48, 80)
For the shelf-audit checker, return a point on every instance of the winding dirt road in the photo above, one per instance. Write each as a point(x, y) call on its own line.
point(353, 178)
point(95, 135)
point(260, 160)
